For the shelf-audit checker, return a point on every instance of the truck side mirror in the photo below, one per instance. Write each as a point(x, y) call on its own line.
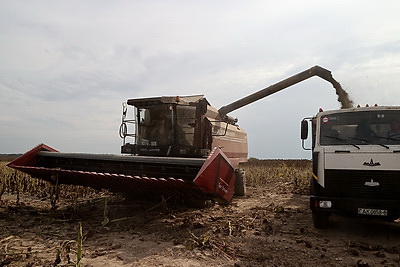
point(304, 129)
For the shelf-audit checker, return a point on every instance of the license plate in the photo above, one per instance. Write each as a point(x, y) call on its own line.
point(373, 212)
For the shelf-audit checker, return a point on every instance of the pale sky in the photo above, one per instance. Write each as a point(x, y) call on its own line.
point(66, 66)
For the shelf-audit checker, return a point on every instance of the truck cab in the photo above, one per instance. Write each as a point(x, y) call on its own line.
point(356, 163)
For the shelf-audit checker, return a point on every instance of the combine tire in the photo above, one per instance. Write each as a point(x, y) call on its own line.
point(240, 183)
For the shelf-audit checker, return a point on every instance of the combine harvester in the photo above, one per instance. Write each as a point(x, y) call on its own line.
point(181, 147)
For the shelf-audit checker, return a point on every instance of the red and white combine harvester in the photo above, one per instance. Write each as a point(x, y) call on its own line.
point(174, 147)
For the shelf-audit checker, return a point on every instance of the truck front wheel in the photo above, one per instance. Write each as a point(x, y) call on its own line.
point(320, 220)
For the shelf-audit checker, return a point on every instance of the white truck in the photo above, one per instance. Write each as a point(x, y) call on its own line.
point(356, 162)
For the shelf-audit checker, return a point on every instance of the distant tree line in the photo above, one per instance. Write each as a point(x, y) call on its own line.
point(9, 157)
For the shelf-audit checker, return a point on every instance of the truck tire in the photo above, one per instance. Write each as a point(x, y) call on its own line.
point(240, 183)
point(320, 220)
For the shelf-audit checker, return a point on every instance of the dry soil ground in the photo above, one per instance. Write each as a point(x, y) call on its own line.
point(269, 227)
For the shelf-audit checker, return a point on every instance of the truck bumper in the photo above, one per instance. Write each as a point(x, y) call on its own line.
point(389, 209)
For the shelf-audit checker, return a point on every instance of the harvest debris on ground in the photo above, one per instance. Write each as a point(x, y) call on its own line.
point(270, 227)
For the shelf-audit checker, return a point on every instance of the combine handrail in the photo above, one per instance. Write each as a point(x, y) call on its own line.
point(123, 128)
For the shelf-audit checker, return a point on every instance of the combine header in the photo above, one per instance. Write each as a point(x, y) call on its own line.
point(178, 147)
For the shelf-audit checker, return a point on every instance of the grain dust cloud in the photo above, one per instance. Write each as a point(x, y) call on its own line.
point(343, 96)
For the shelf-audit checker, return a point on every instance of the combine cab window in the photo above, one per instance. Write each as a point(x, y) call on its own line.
point(361, 128)
point(156, 126)
point(186, 124)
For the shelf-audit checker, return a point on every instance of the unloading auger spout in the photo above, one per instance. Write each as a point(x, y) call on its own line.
point(304, 75)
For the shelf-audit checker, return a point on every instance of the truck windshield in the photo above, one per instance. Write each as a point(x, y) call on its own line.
point(361, 128)
point(155, 125)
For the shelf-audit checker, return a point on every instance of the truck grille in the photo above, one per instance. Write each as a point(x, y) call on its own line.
point(354, 184)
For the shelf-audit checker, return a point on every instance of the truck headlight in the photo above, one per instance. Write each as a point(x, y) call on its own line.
point(325, 204)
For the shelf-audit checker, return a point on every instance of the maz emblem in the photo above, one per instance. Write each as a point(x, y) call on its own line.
point(372, 163)
point(371, 183)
